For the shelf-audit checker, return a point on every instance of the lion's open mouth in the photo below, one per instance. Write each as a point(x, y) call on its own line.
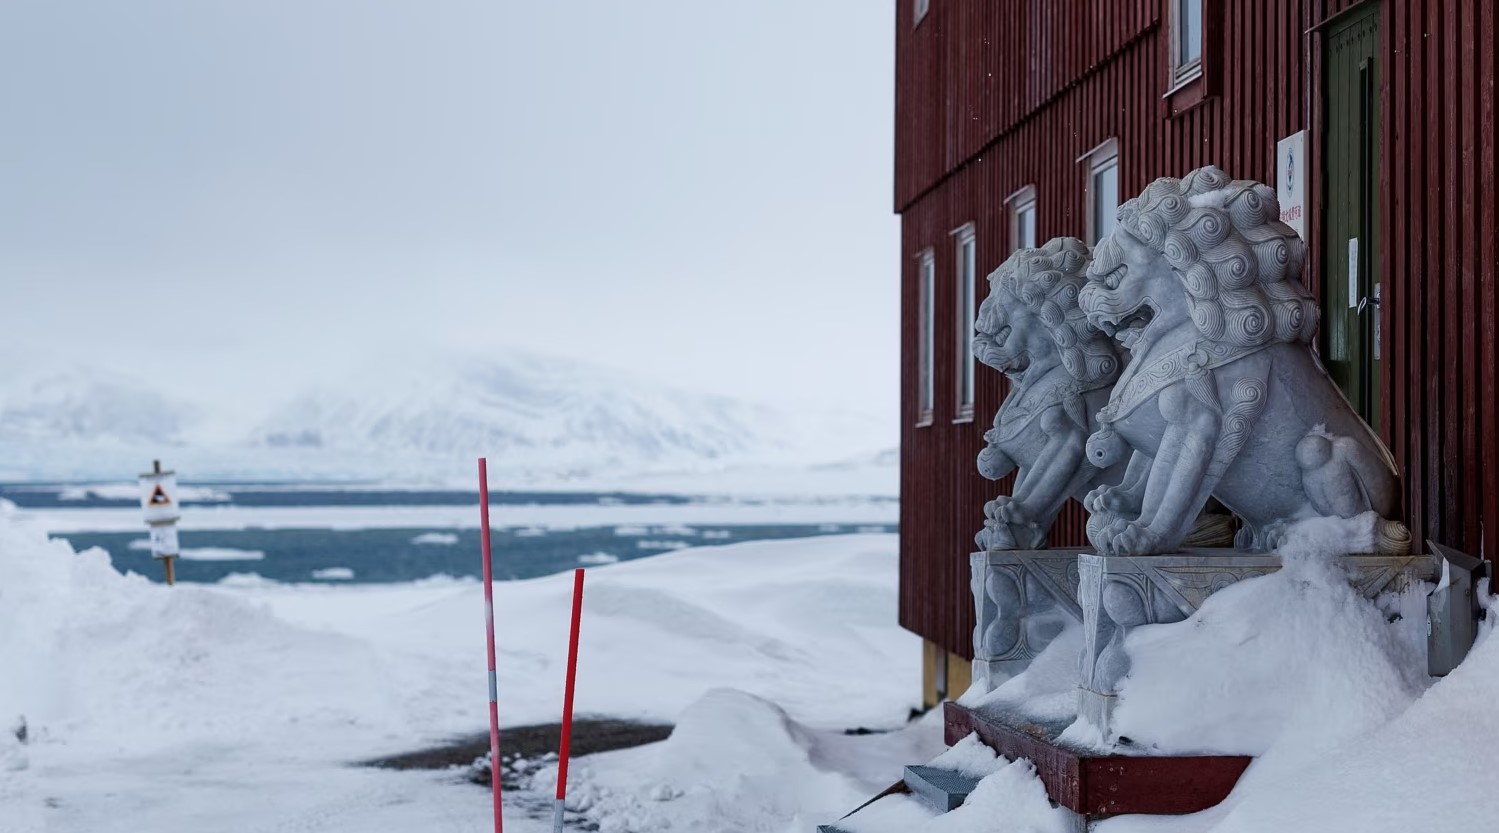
point(1017, 365)
point(1126, 326)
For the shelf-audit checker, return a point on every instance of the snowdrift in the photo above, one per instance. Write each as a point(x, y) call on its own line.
point(736, 762)
point(213, 707)
point(114, 661)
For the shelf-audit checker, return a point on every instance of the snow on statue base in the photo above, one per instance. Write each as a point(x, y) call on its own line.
point(1023, 599)
point(1118, 593)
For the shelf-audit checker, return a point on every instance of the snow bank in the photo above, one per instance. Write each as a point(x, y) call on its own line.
point(1009, 798)
point(736, 762)
point(213, 707)
point(1422, 771)
point(1278, 666)
point(119, 663)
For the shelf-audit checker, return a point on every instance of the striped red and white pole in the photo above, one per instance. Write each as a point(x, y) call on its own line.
point(564, 748)
point(494, 699)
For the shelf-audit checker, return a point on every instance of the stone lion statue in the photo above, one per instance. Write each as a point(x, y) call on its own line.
point(1223, 396)
point(1061, 369)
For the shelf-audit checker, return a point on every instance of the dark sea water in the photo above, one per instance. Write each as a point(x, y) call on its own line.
point(397, 555)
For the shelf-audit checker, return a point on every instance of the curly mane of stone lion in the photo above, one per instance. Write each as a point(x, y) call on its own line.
point(1047, 281)
point(1239, 264)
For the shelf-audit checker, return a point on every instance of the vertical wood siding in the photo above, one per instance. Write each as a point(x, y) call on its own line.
point(994, 95)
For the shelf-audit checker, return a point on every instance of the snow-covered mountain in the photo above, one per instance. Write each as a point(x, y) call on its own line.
point(536, 411)
point(419, 417)
point(79, 404)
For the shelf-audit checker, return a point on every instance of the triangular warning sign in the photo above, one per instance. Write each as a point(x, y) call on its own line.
point(159, 497)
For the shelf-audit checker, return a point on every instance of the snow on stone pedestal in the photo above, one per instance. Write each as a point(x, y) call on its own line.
point(1023, 599)
point(1118, 594)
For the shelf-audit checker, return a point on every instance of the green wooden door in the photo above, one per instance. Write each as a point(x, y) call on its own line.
point(1350, 269)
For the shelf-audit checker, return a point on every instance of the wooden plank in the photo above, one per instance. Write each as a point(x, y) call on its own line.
point(1445, 34)
point(1488, 159)
point(1392, 180)
point(1100, 785)
point(1434, 281)
point(1416, 223)
point(1463, 259)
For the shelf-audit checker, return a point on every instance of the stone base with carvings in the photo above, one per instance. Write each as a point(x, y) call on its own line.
point(1023, 599)
point(1118, 593)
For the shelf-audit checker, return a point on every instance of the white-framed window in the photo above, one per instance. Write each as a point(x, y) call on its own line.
point(1103, 189)
point(1023, 218)
point(965, 288)
point(1186, 40)
point(926, 337)
point(919, 10)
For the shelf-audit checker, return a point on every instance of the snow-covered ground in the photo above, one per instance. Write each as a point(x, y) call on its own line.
point(241, 708)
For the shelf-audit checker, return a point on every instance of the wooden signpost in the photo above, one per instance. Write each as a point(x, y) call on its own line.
point(159, 503)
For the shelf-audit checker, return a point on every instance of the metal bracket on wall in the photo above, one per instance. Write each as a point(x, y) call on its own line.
point(1452, 610)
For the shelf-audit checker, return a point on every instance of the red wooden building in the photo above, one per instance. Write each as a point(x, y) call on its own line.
point(1020, 120)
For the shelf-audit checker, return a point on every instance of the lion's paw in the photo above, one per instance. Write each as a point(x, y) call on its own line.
point(995, 536)
point(1134, 538)
point(1111, 499)
point(1102, 527)
point(1013, 512)
point(993, 508)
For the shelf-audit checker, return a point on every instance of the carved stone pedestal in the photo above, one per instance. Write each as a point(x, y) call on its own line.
point(1023, 599)
point(1117, 593)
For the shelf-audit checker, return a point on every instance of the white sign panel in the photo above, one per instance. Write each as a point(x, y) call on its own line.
point(1290, 181)
point(1353, 298)
point(164, 540)
point(159, 497)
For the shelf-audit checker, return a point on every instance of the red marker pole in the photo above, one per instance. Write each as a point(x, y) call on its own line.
point(494, 700)
point(567, 703)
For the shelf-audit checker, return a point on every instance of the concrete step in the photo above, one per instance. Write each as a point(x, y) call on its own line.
point(941, 789)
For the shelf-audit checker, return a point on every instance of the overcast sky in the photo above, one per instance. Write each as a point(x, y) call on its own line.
point(237, 196)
